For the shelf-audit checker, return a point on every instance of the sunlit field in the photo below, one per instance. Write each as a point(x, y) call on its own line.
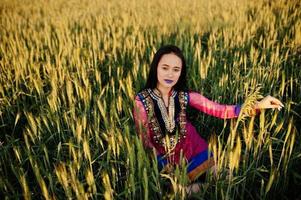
point(69, 72)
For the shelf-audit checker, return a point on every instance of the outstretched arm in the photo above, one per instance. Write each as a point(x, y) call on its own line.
point(140, 118)
point(207, 106)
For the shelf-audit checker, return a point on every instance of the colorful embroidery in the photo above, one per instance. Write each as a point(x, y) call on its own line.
point(146, 98)
point(167, 116)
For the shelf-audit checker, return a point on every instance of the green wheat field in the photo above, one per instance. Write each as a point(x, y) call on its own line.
point(69, 72)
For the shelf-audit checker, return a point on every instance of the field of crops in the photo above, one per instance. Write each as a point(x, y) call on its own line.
point(69, 71)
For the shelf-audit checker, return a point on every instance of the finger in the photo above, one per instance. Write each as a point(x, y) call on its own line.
point(276, 102)
point(273, 106)
point(281, 104)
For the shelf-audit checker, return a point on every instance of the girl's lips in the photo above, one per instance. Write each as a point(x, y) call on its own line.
point(168, 81)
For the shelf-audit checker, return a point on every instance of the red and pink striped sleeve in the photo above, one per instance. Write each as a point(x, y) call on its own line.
point(140, 118)
point(209, 107)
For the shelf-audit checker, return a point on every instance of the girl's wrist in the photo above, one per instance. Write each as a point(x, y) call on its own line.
point(256, 106)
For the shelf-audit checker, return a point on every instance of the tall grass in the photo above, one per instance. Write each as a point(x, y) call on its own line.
point(69, 72)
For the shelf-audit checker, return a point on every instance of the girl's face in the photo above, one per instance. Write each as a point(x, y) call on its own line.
point(169, 70)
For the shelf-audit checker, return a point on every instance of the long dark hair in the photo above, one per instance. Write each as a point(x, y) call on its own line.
point(152, 79)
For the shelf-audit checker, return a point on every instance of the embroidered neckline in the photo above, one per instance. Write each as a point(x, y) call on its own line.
point(146, 98)
point(155, 93)
point(168, 115)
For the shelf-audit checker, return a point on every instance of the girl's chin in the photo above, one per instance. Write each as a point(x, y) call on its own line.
point(167, 86)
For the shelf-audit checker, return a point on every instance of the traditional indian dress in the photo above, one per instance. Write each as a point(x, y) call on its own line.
point(167, 130)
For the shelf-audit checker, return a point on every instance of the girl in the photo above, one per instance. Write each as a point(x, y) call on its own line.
point(160, 114)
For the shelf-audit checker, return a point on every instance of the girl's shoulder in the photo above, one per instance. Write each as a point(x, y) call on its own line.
point(142, 94)
point(193, 92)
point(184, 92)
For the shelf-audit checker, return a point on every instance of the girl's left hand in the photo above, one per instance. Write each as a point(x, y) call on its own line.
point(269, 102)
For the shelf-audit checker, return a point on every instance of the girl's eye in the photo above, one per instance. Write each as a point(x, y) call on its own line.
point(165, 68)
point(176, 70)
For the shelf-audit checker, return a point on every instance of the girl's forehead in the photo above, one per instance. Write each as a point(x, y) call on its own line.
point(171, 59)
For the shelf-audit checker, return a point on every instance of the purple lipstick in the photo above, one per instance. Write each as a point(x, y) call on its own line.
point(168, 81)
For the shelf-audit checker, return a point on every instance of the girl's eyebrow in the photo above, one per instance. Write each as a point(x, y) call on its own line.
point(173, 67)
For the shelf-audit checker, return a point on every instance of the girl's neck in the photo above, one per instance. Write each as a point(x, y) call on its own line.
point(164, 91)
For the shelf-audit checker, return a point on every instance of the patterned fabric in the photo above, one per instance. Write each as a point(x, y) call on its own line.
point(149, 100)
point(185, 140)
